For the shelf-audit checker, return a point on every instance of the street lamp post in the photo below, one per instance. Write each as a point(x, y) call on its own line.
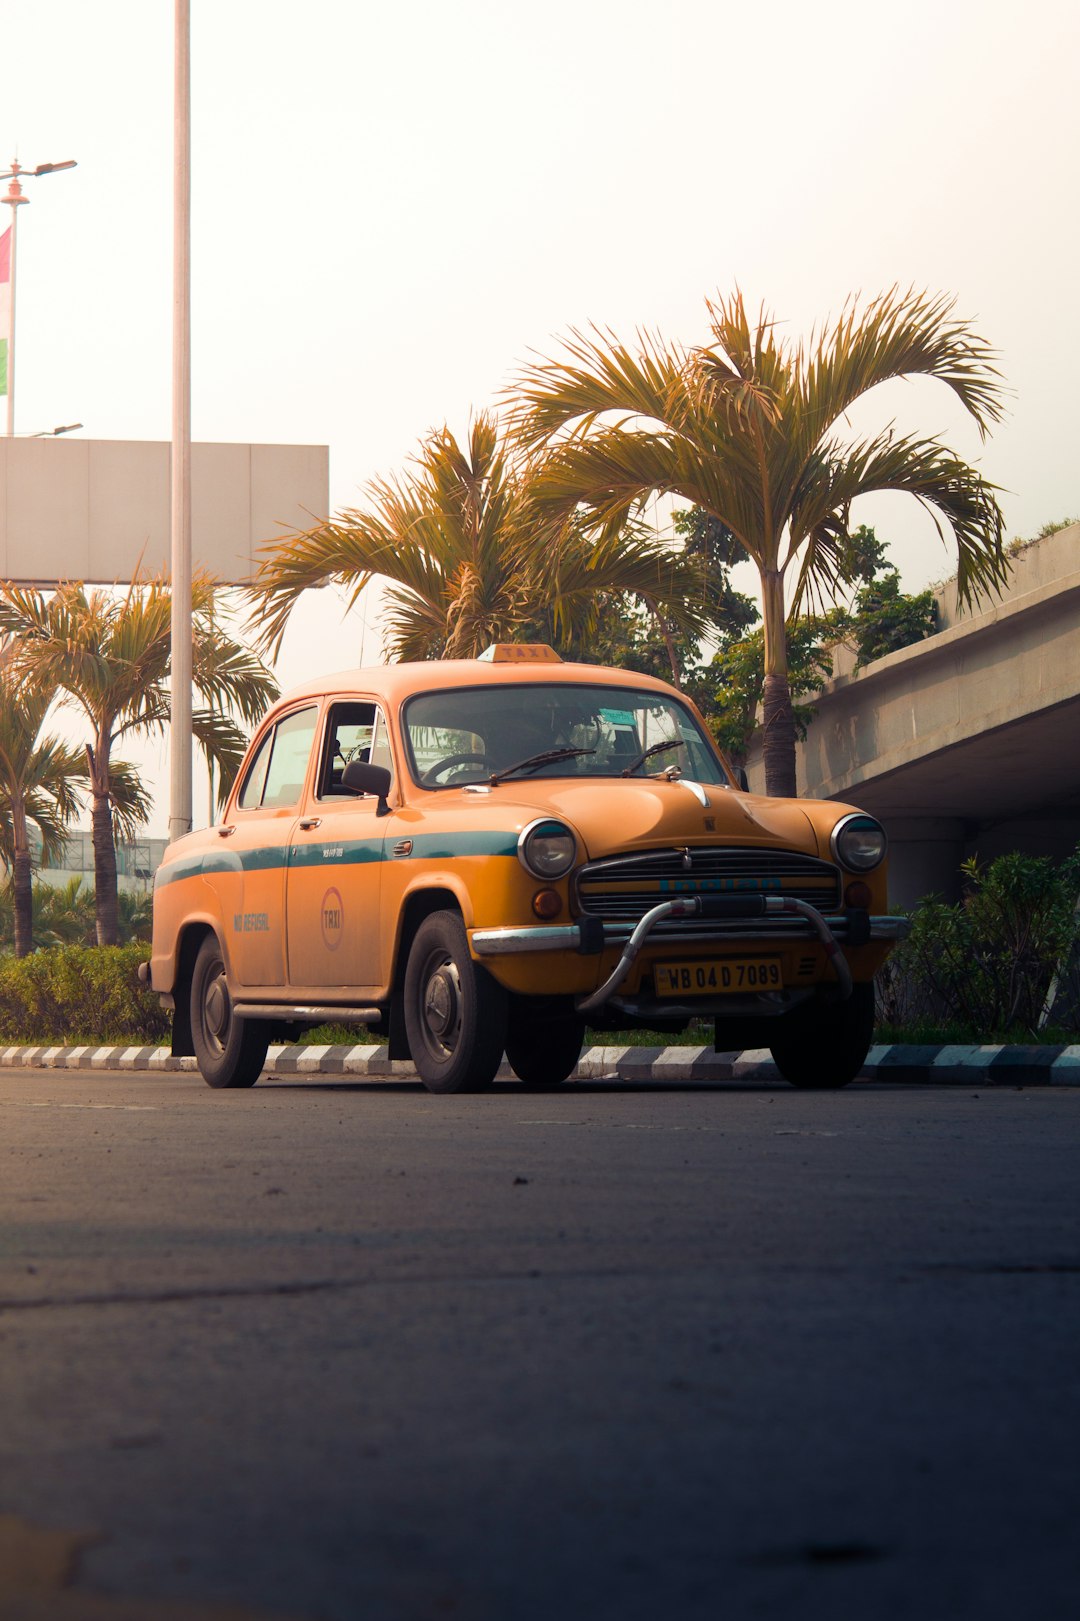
point(14, 200)
point(180, 721)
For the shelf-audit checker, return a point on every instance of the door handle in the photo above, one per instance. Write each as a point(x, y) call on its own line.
point(224, 832)
point(308, 822)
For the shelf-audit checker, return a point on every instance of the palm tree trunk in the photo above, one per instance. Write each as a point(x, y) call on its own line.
point(778, 718)
point(106, 908)
point(21, 883)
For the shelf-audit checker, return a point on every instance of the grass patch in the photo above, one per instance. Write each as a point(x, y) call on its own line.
point(341, 1035)
point(697, 1034)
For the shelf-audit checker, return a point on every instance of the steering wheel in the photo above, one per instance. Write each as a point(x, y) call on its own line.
point(430, 776)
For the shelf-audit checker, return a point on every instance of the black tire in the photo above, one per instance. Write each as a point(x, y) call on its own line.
point(542, 1050)
point(230, 1052)
point(823, 1045)
point(455, 1013)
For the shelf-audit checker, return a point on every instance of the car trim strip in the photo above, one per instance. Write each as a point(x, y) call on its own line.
point(347, 852)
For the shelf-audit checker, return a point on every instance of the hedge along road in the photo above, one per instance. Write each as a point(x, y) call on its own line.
point(337, 1349)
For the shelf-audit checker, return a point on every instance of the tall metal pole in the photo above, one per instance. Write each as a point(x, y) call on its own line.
point(14, 198)
point(180, 727)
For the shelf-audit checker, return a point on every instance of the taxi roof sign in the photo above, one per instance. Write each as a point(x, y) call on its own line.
point(519, 653)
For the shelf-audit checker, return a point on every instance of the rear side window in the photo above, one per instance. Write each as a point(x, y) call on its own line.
point(276, 777)
point(252, 791)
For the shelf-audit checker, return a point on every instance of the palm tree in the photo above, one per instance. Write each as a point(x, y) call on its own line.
point(749, 428)
point(108, 655)
point(41, 783)
point(38, 784)
point(64, 914)
point(467, 559)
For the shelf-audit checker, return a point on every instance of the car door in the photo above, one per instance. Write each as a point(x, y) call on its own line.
point(336, 860)
point(248, 871)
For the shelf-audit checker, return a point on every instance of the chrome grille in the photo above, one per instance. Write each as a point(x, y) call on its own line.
point(623, 888)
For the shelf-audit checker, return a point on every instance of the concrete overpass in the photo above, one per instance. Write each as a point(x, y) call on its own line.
point(968, 742)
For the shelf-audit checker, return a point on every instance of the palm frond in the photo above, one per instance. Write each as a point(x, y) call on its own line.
point(963, 505)
point(223, 743)
point(448, 536)
point(229, 676)
point(596, 375)
point(40, 777)
point(898, 334)
point(129, 799)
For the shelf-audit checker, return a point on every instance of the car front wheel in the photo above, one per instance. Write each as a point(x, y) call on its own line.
point(455, 1013)
point(230, 1051)
point(823, 1045)
point(543, 1046)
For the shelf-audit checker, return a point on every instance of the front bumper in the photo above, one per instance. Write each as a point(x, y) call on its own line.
point(573, 937)
point(727, 919)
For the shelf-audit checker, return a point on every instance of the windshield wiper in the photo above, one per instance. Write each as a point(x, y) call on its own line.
point(535, 761)
point(657, 748)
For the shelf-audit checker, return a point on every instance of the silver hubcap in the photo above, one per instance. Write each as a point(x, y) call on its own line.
point(442, 1005)
point(216, 1009)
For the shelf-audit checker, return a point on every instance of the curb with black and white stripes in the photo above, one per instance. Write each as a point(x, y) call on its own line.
point(936, 1066)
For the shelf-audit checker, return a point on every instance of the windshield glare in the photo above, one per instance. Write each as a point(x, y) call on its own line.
point(467, 735)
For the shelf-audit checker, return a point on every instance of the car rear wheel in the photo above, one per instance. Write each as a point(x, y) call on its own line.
point(823, 1045)
point(455, 1013)
point(543, 1047)
point(230, 1052)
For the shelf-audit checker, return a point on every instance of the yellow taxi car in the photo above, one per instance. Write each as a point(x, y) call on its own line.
point(492, 854)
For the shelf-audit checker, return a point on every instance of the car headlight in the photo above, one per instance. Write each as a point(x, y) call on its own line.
point(858, 843)
point(546, 849)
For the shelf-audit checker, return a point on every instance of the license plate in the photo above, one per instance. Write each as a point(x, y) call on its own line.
point(727, 976)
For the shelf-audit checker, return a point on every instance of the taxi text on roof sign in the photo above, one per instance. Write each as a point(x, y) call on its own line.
point(519, 653)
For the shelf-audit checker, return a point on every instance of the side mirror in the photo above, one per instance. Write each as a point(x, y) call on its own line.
point(361, 778)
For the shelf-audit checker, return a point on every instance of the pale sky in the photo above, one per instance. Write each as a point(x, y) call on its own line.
point(393, 205)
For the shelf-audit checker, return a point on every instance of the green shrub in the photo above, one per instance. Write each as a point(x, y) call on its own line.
point(983, 967)
point(71, 994)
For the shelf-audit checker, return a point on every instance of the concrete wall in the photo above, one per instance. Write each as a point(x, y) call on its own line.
point(968, 742)
point(88, 509)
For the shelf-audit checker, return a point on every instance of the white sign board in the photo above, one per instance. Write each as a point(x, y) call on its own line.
point(91, 509)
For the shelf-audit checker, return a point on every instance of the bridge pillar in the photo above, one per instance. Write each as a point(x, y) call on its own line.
point(925, 853)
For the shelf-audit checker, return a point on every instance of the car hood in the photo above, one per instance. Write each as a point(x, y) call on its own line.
point(615, 816)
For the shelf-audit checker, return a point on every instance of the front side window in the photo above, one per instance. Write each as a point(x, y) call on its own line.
point(354, 731)
point(470, 734)
point(276, 776)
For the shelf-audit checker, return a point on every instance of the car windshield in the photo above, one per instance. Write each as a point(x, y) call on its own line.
point(471, 734)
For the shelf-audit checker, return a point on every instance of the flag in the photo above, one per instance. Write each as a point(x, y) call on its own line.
point(5, 304)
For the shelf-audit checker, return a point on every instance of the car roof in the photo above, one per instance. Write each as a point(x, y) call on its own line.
point(395, 682)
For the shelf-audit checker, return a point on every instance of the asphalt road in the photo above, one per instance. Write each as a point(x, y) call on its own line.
point(354, 1352)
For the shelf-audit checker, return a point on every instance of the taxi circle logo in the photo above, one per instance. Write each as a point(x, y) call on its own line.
point(332, 917)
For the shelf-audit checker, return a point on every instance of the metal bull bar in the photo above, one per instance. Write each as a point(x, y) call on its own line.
point(726, 906)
